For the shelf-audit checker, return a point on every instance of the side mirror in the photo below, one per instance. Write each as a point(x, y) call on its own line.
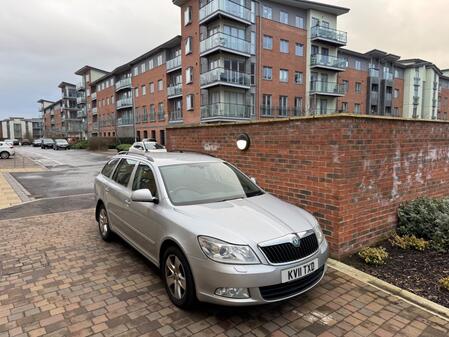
point(144, 196)
point(253, 180)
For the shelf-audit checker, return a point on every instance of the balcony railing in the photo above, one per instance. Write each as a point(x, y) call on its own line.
point(417, 81)
point(329, 34)
point(80, 86)
point(281, 112)
point(124, 103)
point(123, 83)
point(93, 96)
point(388, 97)
point(81, 114)
point(94, 111)
point(327, 88)
point(174, 63)
point(227, 7)
point(174, 90)
point(222, 40)
point(176, 116)
point(388, 76)
point(225, 111)
point(125, 120)
point(225, 76)
point(327, 61)
point(374, 96)
point(372, 72)
point(416, 100)
point(81, 100)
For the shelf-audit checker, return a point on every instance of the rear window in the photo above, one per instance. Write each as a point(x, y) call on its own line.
point(122, 174)
point(109, 167)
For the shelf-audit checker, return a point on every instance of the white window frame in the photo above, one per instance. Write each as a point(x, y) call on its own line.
point(189, 102)
point(281, 77)
point(189, 75)
point(271, 72)
point(283, 17)
point(270, 45)
point(301, 46)
point(267, 12)
point(188, 45)
point(187, 15)
point(282, 44)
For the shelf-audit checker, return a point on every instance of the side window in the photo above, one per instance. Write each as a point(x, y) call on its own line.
point(109, 167)
point(144, 179)
point(123, 172)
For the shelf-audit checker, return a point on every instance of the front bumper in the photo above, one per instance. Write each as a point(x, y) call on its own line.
point(210, 275)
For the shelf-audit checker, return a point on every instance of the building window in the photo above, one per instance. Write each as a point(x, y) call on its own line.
point(161, 114)
point(187, 15)
point(283, 47)
point(160, 85)
point(151, 64)
point(267, 42)
point(284, 17)
point(346, 85)
point(266, 107)
point(136, 72)
point(299, 22)
point(358, 87)
point(189, 102)
point(396, 93)
point(159, 60)
point(189, 45)
point(299, 50)
point(358, 65)
point(253, 43)
point(144, 90)
point(253, 74)
point(189, 75)
point(136, 92)
point(267, 73)
point(151, 88)
point(298, 106)
point(283, 105)
point(267, 12)
point(344, 106)
point(283, 75)
point(357, 108)
point(142, 68)
point(298, 77)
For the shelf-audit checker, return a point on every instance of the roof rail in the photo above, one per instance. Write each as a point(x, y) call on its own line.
point(137, 154)
point(193, 151)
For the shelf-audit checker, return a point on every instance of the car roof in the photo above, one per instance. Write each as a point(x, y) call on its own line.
point(173, 158)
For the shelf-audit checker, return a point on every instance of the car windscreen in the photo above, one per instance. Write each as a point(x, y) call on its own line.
point(199, 183)
point(48, 141)
point(61, 141)
point(153, 146)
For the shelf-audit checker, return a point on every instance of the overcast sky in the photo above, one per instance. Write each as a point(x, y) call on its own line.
point(43, 42)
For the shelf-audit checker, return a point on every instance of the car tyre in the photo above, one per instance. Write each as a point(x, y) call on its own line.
point(103, 224)
point(4, 155)
point(178, 278)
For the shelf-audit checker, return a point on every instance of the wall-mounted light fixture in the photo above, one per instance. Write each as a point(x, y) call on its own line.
point(243, 142)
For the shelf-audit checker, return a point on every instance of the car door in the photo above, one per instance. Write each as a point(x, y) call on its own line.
point(119, 197)
point(146, 216)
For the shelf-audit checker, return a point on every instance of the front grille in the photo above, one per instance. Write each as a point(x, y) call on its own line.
point(286, 252)
point(278, 291)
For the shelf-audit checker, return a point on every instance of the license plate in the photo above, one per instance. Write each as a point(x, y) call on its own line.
point(298, 272)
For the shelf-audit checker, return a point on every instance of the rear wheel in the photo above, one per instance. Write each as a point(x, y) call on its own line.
point(4, 155)
point(178, 278)
point(103, 224)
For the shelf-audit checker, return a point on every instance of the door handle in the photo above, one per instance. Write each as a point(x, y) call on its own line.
point(127, 202)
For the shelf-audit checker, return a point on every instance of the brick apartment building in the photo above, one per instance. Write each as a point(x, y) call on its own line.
point(239, 60)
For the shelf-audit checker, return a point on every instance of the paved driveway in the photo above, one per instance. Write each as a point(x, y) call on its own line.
point(58, 278)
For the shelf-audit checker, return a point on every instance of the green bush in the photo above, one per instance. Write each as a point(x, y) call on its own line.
point(375, 256)
point(409, 242)
point(80, 145)
point(427, 219)
point(100, 143)
point(444, 283)
point(123, 147)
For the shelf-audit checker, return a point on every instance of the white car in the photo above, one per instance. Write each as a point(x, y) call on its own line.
point(6, 150)
point(147, 146)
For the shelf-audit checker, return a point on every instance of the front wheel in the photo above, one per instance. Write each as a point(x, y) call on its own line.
point(178, 278)
point(4, 155)
point(103, 225)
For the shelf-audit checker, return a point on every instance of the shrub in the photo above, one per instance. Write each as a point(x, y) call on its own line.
point(409, 242)
point(375, 256)
point(123, 147)
point(100, 143)
point(427, 219)
point(81, 145)
point(444, 283)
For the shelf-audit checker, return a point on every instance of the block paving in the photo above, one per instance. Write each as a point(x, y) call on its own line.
point(58, 278)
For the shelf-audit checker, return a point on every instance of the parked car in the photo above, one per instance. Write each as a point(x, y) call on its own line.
point(25, 142)
point(215, 235)
point(61, 144)
point(37, 142)
point(47, 143)
point(6, 150)
point(147, 146)
point(12, 141)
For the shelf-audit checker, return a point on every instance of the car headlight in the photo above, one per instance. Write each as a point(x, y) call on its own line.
point(224, 252)
point(319, 233)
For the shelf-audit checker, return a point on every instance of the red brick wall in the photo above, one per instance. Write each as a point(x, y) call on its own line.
point(106, 111)
point(443, 112)
point(399, 101)
point(350, 172)
point(353, 76)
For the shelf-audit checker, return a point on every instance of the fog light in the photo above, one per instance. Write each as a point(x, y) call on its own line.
point(233, 292)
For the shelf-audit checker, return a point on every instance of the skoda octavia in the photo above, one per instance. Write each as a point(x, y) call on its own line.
point(215, 235)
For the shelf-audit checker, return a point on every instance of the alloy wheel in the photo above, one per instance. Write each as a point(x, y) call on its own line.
point(175, 277)
point(103, 222)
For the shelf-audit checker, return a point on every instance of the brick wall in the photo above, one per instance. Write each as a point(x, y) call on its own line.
point(350, 172)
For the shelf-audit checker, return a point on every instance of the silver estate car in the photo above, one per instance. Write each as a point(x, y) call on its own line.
point(215, 235)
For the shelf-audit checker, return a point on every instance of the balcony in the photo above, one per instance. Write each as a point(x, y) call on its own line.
point(327, 88)
point(374, 97)
point(415, 100)
point(123, 84)
point(388, 99)
point(174, 90)
point(280, 112)
point(372, 72)
point(435, 85)
point(124, 103)
point(81, 86)
point(388, 76)
point(225, 111)
point(81, 100)
point(416, 81)
point(221, 76)
point(329, 35)
point(94, 111)
point(328, 62)
point(227, 8)
point(174, 64)
point(222, 41)
point(81, 114)
point(93, 96)
point(125, 121)
point(176, 116)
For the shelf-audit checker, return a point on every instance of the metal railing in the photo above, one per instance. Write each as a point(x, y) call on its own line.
point(282, 112)
point(417, 81)
point(80, 86)
point(123, 83)
point(174, 90)
point(125, 120)
point(81, 100)
point(372, 72)
point(225, 6)
point(328, 61)
point(388, 76)
point(329, 34)
point(174, 63)
point(226, 111)
point(225, 76)
point(176, 116)
point(415, 100)
point(329, 88)
point(124, 102)
point(225, 41)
